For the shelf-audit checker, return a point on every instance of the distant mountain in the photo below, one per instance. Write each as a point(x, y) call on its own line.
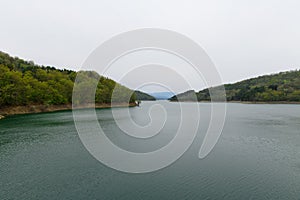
point(141, 96)
point(284, 86)
point(162, 95)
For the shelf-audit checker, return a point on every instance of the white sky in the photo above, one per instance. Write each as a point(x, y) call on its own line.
point(244, 38)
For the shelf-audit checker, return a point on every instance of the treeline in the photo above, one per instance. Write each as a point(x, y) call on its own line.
point(284, 86)
point(24, 83)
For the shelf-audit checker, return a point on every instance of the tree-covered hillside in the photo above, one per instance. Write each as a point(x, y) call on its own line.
point(24, 83)
point(141, 96)
point(284, 86)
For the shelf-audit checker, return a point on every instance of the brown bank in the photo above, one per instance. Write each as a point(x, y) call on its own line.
point(14, 110)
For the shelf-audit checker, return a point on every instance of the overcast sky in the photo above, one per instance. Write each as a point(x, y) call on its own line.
point(243, 38)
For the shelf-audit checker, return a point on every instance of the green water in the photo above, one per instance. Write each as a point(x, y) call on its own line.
point(257, 157)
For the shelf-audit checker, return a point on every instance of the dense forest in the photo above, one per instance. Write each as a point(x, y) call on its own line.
point(25, 83)
point(284, 86)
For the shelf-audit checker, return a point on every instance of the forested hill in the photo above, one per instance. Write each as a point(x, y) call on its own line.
point(143, 96)
point(284, 86)
point(24, 83)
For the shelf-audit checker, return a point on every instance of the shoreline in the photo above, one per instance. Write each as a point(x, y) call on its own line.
point(16, 110)
point(265, 102)
point(247, 102)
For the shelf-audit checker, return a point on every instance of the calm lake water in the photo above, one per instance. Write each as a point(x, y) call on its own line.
point(257, 157)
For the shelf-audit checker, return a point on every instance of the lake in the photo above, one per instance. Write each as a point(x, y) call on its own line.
point(256, 157)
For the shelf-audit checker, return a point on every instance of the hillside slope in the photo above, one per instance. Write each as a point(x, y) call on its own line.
point(284, 86)
point(141, 96)
point(23, 83)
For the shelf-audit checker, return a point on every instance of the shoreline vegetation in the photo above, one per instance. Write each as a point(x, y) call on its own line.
point(29, 88)
point(283, 87)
